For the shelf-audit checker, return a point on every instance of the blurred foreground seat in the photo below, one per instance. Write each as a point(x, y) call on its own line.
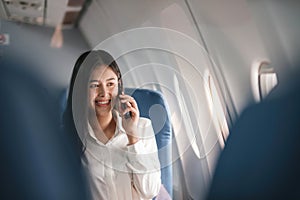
point(261, 159)
point(37, 161)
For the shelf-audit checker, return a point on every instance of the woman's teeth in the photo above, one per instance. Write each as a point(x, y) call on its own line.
point(103, 102)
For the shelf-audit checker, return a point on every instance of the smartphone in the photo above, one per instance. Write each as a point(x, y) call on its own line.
point(123, 105)
point(128, 114)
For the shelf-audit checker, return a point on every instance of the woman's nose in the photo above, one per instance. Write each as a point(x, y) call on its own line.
point(102, 91)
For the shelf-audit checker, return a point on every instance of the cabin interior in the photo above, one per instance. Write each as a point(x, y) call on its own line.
point(210, 59)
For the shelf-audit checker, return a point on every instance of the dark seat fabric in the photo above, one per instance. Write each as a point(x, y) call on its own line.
point(261, 159)
point(153, 106)
point(36, 159)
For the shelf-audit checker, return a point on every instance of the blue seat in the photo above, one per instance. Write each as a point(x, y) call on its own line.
point(36, 159)
point(153, 106)
point(261, 156)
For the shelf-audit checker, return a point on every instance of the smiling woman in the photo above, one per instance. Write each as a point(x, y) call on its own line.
point(119, 153)
point(103, 90)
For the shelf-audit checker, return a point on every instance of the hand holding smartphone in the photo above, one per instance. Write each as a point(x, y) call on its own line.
point(128, 114)
point(130, 118)
point(123, 105)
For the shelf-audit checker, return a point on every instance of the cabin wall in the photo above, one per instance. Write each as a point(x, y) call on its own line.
point(233, 41)
point(106, 18)
point(279, 26)
point(231, 33)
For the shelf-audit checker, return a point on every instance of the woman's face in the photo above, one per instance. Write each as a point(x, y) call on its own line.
point(103, 90)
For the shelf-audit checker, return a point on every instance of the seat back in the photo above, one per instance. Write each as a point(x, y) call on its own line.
point(153, 106)
point(36, 159)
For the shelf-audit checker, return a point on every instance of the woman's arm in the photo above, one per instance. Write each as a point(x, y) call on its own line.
point(144, 163)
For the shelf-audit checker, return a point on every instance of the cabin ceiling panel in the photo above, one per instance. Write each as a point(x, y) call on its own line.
point(42, 12)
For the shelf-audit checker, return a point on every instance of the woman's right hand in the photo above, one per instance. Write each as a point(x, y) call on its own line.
point(129, 123)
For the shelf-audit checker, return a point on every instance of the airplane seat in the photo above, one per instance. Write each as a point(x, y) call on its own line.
point(36, 160)
point(153, 106)
point(261, 156)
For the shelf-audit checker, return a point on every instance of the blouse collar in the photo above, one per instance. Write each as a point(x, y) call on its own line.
point(119, 128)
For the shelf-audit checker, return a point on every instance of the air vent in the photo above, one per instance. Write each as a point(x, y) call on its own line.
point(25, 11)
point(42, 12)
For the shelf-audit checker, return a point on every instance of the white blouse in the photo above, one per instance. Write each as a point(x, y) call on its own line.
point(117, 171)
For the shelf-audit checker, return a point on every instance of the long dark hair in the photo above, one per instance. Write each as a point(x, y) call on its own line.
point(77, 97)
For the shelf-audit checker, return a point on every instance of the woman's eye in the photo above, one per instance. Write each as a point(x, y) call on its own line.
point(110, 84)
point(94, 85)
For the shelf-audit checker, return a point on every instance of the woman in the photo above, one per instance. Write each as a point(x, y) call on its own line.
point(119, 150)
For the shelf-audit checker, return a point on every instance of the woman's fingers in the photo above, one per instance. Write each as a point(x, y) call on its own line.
point(130, 105)
point(128, 100)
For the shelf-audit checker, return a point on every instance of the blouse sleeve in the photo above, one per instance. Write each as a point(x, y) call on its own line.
point(144, 163)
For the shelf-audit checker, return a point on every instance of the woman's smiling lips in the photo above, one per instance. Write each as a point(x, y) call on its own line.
point(102, 102)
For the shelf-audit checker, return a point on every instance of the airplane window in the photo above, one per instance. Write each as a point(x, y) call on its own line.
point(216, 108)
point(267, 81)
point(264, 79)
point(185, 119)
